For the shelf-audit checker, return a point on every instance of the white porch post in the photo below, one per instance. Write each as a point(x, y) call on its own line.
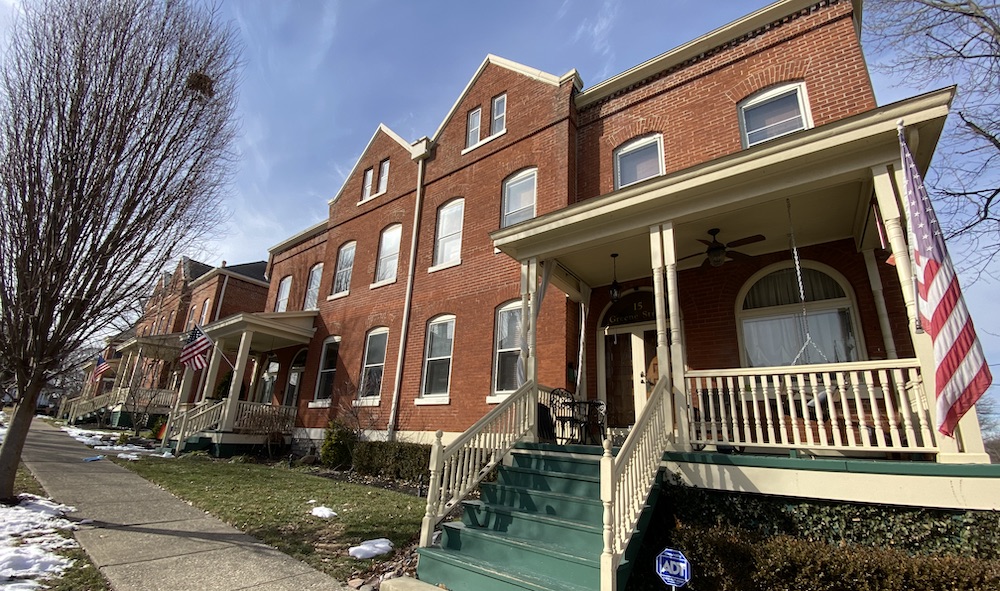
point(888, 203)
point(875, 280)
point(182, 393)
point(243, 354)
point(213, 370)
point(677, 385)
point(662, 324)
point(529, 294)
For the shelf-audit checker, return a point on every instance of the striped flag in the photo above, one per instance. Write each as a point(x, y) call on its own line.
point(99, 369)
point(961, 374)
point(195, 346)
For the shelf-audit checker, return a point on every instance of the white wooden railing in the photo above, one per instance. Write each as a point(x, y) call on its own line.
point(195, 420)
point(89, 405)
point(457, 469)
point(628, 477)
point(846, 407)
point(259, 418)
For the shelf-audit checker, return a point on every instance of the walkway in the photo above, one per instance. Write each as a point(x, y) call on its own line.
point(143, 538)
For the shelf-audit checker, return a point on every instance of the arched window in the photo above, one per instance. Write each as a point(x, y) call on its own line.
point(638, 160)
point(370, 385)
point(507, 348)
point(774, 112)
point(388, 254)
point(312, 287)
point(204, 311)
point(295, 372)
point(437, 355)
point(342, 274)
point(776, 333)
point(327, 369)
point(519, 197)
point(448, 240)
point(284, 288)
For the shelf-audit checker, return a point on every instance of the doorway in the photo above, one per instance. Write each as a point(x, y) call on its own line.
point(628, 352)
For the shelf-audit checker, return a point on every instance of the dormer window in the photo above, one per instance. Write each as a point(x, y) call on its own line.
point(472, 129)
point(774, 112)
point(638, 160)
point(499, 115)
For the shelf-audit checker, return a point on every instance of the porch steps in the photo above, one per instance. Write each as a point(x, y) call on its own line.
point(537, 528)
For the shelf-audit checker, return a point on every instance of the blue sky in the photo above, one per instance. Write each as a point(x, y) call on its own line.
point(320, 76)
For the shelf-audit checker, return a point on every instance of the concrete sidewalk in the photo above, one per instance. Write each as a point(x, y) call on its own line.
point(145, 539)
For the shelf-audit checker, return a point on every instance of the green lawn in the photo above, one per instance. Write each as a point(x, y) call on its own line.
point(272, 504)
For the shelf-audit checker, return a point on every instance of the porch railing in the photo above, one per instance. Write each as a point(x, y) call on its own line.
point(866, 406)
point(457, 469)
point(84, 407)
point(196, 420)
point(258, 418)
point(628, 477)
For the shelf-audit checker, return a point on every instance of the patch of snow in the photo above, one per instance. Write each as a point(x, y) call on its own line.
point(311, 501)
point(28, 540)
point(371, 548)
point(104, 441)
point(323, 512)
point(129, 457)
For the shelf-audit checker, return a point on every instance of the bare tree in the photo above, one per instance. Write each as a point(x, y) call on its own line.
point(116, 129)
point(927, 43)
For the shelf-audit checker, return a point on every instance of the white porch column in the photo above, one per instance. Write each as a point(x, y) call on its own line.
point(186, 380)
point(528, 359)
point(213, 370)
point(883, 315)
point(888, 203)
point(677, 385)
point(243, 354)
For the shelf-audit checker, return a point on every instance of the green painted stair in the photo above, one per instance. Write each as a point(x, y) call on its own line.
point(537, 528)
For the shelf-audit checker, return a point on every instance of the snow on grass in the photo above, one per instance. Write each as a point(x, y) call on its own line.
point(29, 538)
point(324, 512)
point(371, 548)
point(104, 441)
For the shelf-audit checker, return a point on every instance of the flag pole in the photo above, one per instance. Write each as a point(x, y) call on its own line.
point(215, 346)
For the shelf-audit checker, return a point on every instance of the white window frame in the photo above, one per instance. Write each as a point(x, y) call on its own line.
point(509, 307)
point(387, 259)
point(472, 130)
point(284, 291)
point(366, 189)
point(513, 180)
point(192, 317)
point(634, 146)
point(367, 364)
point(342, 270)
point(439, 397)
point(440, 238)
point(325, 402)
point(205, 307)
point(311, 301)
point(833, 304)
point(498, 115)
point(383, 177)
point(770, 94)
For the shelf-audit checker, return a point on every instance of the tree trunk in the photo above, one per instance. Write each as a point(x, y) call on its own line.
point(13, 443)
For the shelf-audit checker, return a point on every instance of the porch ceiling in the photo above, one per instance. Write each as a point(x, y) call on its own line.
point(271, 331)
point(825, 173)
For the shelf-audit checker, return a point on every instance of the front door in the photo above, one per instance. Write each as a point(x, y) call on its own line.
point(628, 352)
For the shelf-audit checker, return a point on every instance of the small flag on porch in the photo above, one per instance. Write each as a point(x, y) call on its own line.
point(193, 353)
point(961, 374)
point(99, 369)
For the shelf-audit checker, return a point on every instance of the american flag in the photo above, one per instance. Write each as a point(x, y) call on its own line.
point(193, 353)
point(961, 374)
point(99, 369)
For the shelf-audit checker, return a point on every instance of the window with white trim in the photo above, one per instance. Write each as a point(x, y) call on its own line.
point(472, 127)
point(775, 332)
point(519, 197)
point(366, 190)
point(284, 288)
point(383, 176)
point(345, 263)
point(204, 311)
point(312, 287)
point(192, 318)
point(370, 384)
point(448, 239)
point(388, 254)
point(437, 356)
point(327, 369)
point(638, 160)
point(774, 112)
point(295, 373)
point(498, 115)
point(507, 348)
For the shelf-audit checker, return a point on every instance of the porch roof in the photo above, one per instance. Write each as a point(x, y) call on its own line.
point(159, 346)
point(826, 170)
point(271, 330)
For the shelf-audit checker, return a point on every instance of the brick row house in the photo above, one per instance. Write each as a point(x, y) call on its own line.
point(694, 252)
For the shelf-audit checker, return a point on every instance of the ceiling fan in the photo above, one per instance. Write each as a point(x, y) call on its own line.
point(717, 252)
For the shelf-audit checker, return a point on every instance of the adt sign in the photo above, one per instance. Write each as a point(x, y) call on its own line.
point(673, 567)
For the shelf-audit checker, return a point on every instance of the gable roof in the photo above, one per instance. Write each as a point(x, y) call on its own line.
point(515, 67)
point(392, 134)
point(193, 269)
point(254, 270)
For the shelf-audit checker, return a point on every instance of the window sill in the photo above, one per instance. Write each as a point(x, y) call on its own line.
point(496, 398)
point(443, 266)
point(370, 197)
point(484, 141)
point(337, 296)
point(434, 400)
point(382, 283)
point(369, 401)
point(322, 403)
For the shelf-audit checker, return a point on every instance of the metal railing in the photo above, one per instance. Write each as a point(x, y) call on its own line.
point(259, 418)
point(457, 469)
point(845, 407)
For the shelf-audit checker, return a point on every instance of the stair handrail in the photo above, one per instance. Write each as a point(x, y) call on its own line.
point(628, 477)
point(201, 419)
point(83, 407)
point(457, 469)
